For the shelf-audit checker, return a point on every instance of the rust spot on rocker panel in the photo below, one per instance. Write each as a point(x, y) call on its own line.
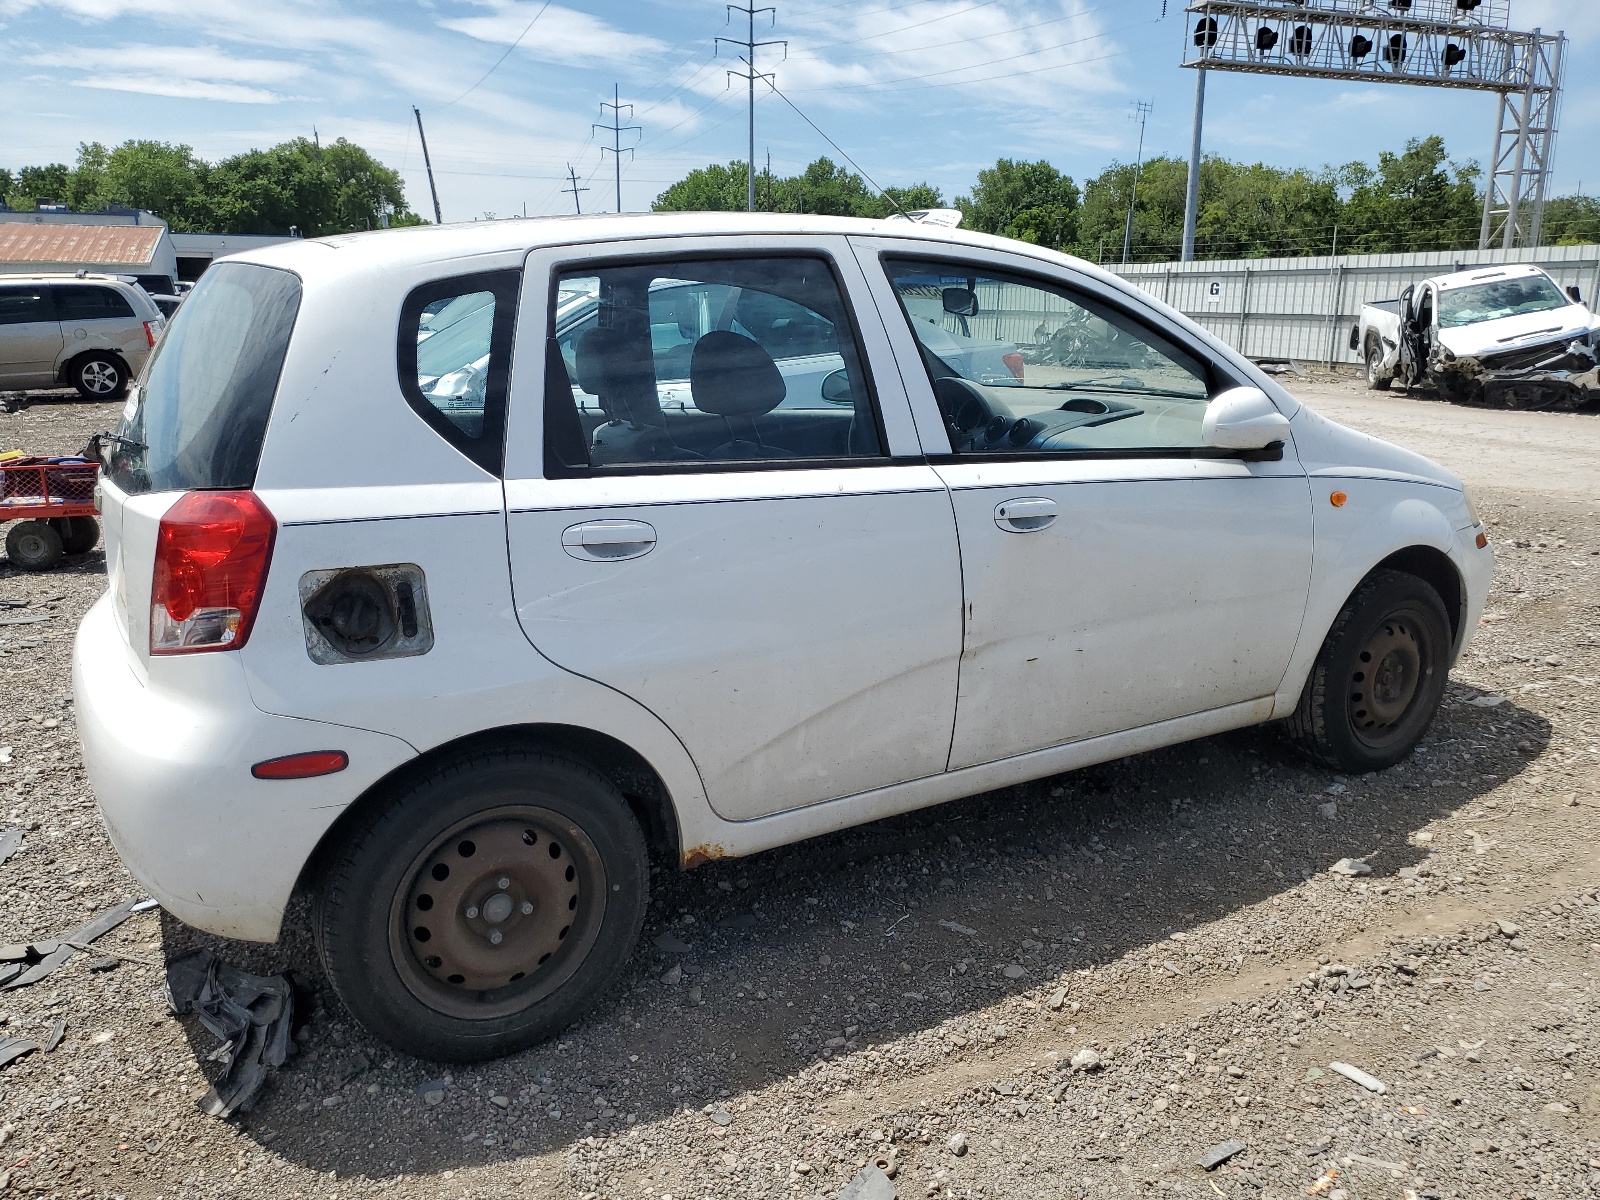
point(699, 856)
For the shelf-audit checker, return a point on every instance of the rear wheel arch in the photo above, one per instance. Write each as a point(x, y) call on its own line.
point(628, 770)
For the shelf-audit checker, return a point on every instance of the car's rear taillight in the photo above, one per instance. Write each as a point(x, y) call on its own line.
point(1013, 362)
point(150, 334)
point(212, 553)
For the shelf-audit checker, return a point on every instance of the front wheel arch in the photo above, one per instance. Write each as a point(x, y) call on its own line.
point(1434, 568)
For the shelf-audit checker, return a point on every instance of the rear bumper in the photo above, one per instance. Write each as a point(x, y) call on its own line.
point(169, 761)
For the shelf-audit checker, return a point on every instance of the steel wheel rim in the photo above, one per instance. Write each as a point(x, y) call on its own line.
point(525, 873)
point(32, 546)
point(100, 377)
point(1387, 679)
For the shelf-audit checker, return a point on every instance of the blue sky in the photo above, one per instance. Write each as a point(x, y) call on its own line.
point(912, 89)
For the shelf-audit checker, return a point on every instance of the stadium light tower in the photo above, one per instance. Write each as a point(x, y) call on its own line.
point(1464, 44)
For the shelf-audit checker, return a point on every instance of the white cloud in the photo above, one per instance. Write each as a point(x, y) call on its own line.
point(184, 89)
point(560, 35)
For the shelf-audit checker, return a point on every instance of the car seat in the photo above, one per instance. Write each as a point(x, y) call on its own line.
point(624, 382)
point(732, 377)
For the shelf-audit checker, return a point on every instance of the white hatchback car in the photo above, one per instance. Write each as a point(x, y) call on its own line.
point(452, 568)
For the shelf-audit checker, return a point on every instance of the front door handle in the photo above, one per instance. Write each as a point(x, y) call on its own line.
point(1028, 514)
point(607, 541)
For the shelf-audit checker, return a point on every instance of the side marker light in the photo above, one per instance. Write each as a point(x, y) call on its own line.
point(1338, 499)
point(1483, 540)
point(302, 766)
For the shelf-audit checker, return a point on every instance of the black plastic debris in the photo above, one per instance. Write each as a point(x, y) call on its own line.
point(47, 957)
point(10, 843)
point(251, 1014)
point(12, 1049)
point(99, 966)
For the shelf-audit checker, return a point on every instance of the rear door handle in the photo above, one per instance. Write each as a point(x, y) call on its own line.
point(605, 541)
point(1028, 514)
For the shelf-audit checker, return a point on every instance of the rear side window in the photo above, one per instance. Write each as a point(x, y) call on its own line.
point(24, 305)
point(85, 302)
point(455, 360)
point(201, 413)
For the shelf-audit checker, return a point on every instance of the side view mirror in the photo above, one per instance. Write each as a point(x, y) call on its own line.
point(836, 387)
point(1575, 294)
point(960, 302)
point(1243, 418)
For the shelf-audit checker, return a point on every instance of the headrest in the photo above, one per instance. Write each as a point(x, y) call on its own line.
point(606, 364)
point(732, 376)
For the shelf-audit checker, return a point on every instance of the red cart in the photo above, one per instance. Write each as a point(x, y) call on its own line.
point(51, 501)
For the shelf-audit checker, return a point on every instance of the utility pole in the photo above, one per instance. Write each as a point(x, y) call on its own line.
point(574, 189)
point(1191, 205)
point(617, 129)
point(1141, 113)
point(750, 75)
point(438, 216)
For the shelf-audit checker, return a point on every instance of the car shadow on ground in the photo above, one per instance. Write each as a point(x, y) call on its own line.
point(839, 939)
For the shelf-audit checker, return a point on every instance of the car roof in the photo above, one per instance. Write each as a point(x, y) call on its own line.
point(62, 277)
point(1460, 279)
point(422, 244)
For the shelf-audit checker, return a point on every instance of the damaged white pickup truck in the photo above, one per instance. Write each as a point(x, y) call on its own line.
point(1507, 337)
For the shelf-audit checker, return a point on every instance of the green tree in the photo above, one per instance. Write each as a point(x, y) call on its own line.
point(317, 190)
point(1031, 201)
point(1572, 221)
point(715, 188)
point(823, 188)
point(50, 184)
point(1414, 200)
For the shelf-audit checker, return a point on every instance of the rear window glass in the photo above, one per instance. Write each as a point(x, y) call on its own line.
point(85, 302)
point(200, 415)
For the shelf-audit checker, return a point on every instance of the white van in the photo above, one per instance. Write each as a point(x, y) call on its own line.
point(444, 604)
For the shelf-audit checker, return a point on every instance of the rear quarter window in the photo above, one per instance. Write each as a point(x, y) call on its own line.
point(87, 302)
point(200, 416)
point(454, 359)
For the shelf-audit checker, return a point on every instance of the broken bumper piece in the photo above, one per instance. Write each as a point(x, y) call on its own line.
point(252, 1015)
point(1556, 377)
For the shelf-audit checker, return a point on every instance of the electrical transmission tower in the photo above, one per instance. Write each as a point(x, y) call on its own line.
point(1465, 44)
point(574, 189)
point(749, 45)
point(617, 129)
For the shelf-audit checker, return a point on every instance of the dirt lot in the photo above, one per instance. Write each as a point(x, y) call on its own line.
point(917, 992)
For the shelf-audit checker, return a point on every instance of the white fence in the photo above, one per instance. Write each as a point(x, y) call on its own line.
point(1303, 308)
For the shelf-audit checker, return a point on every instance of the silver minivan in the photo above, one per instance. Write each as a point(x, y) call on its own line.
point(92, 332)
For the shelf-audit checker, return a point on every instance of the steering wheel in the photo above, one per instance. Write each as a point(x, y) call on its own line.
point(975, 421)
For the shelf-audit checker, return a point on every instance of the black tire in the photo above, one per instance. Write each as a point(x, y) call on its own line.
point(1377, 381)
point(99, 375)
point(33, 545)
point(558, 839)
point(79, 535)
point(1378, 679)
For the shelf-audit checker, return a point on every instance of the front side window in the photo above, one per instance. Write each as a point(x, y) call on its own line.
point(201, 412)
point(455, 359)
point(1502, 298)
point(86, 302)
point(24, 306)
point(702, 361)
point(1020, 365)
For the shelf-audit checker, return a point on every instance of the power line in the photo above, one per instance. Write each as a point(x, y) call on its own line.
point(836, 146)
point(503, 57)
point(915, 25)
point(963, 41)
point(750, 75)
point(617, 129)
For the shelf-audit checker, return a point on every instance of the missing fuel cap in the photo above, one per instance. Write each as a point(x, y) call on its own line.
point(362, 614)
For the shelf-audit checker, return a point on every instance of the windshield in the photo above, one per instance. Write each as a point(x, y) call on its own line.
point(1501, 298)
point(200, 415)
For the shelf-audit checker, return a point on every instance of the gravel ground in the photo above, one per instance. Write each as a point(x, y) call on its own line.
point(1073, 988)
